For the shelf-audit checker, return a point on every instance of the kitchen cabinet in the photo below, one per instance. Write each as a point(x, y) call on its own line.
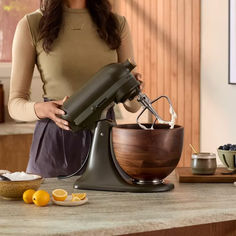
point(189, 209)
point(15, 142)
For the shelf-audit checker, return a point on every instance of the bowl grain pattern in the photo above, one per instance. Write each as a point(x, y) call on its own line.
point(147, 154)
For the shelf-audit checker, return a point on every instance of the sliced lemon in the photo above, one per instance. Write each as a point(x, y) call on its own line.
point(75, 199)
point(59, 194)
point(81, 196)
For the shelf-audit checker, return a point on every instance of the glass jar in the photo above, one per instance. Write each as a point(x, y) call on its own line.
point(203, 163)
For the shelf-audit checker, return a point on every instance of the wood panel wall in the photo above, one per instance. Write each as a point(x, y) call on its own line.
point(166, 40)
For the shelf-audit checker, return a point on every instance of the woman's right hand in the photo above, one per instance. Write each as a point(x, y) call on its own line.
point(52, 110)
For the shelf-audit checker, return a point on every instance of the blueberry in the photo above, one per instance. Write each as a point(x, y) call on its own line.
point(226, 147)
point(220, 147)
point(233, 147)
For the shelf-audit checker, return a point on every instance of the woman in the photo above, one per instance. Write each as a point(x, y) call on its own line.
point(69, 41)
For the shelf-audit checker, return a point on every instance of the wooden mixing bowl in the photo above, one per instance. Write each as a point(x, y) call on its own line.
point(147, 155)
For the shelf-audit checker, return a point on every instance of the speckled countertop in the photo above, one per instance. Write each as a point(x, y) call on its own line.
point(109, 213)
point(10, 128)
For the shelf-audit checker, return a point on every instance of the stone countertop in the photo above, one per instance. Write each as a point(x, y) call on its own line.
point(11, 128)
point(109, 213)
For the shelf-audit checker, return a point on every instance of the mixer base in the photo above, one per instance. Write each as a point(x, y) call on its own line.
point(123, 187)
point(102, 173)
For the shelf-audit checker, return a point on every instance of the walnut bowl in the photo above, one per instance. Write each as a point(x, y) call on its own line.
point(147, 155)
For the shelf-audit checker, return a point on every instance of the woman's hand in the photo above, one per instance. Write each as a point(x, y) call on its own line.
point(138, 77)
point(133, 106)
point(52, 110)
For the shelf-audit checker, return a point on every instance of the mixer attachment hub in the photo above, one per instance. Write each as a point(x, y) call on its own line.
point(148, 182)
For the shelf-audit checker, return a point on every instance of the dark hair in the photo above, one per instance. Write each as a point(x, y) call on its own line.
point(100, 10)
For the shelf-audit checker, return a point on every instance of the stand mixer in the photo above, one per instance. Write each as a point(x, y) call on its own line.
point(115, 83)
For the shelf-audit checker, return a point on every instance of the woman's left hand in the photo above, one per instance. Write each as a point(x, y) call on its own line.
point(138, 77)
point(134, 105)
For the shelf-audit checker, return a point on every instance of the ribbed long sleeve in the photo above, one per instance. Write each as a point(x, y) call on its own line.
point(23, 62)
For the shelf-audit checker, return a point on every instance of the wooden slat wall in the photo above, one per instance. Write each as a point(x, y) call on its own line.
point(166, 38)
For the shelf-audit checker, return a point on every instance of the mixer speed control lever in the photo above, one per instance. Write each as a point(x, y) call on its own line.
point(101, 103)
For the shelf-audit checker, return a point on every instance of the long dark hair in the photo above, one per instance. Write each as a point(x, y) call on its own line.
point(100, 10)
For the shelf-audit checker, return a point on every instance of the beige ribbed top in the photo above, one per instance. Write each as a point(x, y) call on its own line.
point(77, 54)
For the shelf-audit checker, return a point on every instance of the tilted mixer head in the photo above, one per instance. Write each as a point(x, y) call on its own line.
point(113, 83)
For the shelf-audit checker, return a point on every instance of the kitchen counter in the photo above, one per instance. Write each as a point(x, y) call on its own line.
point(11, 128)
point(109, 213)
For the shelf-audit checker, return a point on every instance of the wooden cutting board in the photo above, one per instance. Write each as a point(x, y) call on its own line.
point(184, 175)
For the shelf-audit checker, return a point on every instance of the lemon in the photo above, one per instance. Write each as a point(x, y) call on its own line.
point(75, 199)
point(59, 194)
point(41, 198)
point(81, 196)
point(27, 196)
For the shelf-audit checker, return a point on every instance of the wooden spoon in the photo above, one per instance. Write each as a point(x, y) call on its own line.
point(194, 150)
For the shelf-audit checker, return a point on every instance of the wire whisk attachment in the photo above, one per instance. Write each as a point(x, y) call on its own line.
point(147, 104)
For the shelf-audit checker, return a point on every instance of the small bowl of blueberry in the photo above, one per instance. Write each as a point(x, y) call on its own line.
point(227, 155)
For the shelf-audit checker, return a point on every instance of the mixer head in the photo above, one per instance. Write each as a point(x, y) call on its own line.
point(113, 83)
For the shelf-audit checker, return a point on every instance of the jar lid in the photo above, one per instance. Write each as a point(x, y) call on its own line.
point(204, 155)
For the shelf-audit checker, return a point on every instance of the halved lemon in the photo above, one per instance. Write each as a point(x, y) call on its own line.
point(59, 194)
point(81, 196)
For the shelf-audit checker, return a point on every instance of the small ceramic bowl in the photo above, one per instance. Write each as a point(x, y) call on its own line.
point(228, 159)
point(203, 163)
point(14, 190)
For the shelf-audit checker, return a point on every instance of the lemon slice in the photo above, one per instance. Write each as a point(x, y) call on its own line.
point(59, 194)
point(81, 196)
point(75, 199)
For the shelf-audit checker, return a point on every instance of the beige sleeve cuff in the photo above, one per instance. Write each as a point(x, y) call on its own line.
point(22, 110)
